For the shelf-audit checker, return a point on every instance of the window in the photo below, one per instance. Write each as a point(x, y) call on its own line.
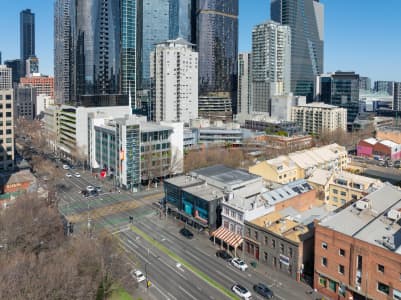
point(332, 285)
point(341, 269)
point(380, 268)
point(343, 194)
point(324, 245)
point(226, 211)
point(274, 243)
point(266, 240)
point(324, 261)
point(290, 251)
point(322, 281)
point(335, 199)
point(233, 214)
point(396, 294)
point(341, 252)
point(335, 191)
point(265, 256)
point(256, 235)
point(384, 288)
point(281, 248)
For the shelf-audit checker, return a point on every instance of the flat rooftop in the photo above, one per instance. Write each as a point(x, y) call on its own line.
point(286, 192)
point(226, 176)
point(373, 223)
point(205, 192)
point(184, 181)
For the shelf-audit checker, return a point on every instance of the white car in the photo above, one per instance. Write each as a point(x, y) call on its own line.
point(138, 275)
point(239, 264)
point(66, 167)
point(241, 291)
point(90, 188)
point(68, 175)
point(77, 175)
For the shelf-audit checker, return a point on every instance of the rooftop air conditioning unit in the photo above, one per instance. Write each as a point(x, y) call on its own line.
point(394, 214)
point(362, 204)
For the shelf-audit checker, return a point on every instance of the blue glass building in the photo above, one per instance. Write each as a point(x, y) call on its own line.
point(305, 17)
point(217, 42)
point(182, 19)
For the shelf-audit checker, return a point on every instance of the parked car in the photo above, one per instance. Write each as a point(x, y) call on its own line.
point(98, 189)
point(263, 290)
point(68, 175)
point(138, 275)
point(188, 234)
point(77, 175)
point(90, 188)
point(397, 164)
point(241, 291)
point(224, 255)
point(239, 264)
point(66, 167)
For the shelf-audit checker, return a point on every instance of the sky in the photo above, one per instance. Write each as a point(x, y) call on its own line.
point(360, 35)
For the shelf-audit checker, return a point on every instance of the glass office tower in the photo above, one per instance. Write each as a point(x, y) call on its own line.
point(305, 17)
point(96, 30)
point(153, 28)
point(27, 37)
point(217, 42)
point(128, 46)
point(182, 19)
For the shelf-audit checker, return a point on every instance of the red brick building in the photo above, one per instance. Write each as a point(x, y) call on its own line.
point(43, 84)
point(358, 250)
point(292, 143)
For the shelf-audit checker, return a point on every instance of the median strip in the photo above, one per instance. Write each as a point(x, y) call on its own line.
point(193, 269)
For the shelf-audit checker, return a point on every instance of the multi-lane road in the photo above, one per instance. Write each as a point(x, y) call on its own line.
point(197, 274)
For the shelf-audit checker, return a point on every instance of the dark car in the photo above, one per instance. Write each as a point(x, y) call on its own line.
point(263, 290)
point(188, 234)
point(224, 255)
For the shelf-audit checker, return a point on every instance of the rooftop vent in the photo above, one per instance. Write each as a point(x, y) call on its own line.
point(362, 204)
point(394, 214)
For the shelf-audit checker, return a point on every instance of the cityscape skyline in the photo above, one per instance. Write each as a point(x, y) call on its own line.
point(347, 47)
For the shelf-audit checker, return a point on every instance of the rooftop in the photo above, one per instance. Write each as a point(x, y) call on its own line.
point(374, 219)
point(286, 192)
point(319, 105)
point(183, 181)
point(225, 176)
point(371, 141)
point(320, 176)
point(291, 223)
point(205, 192)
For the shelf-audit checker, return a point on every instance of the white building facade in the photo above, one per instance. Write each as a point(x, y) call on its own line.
point(271, 63)
point(174, 75)
point(244, 83)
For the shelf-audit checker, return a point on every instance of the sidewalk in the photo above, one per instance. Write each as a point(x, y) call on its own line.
point(276, 278)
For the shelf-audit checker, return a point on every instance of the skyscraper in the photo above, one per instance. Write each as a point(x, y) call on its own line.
point(27, 37)
point(96, 31)
point(153, 28)
point(271, 63)
point(365, 83)
point(62, 51)
point(384, 87)
point(15, 66)
point(174, 74)
point(182, 19)
point(340, 89)
point(217, 42)
point(305, 18)
point(244, 83)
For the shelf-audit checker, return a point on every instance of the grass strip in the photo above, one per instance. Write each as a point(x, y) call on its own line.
point(193, 269)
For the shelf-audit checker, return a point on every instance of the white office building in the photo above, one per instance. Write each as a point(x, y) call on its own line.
point(174, 74)
point(271, 63)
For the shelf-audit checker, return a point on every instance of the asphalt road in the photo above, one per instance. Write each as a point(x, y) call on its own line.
point(199, 253)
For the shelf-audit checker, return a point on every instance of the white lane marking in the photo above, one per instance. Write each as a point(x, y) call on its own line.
point(160, 291)
point(171, 296)
point(225, 276)
point(186, 292)
point(121, 230)
point(133, 245)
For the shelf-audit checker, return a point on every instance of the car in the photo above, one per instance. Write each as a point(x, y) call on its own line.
point(66, 167)
point(138, 275)
point(90, 188)
point(389, 163)
point(224, 255)
point(68, 175)
point(241, 291)
point(98, 189)
point(263, 290)
point(239, 264)
point(188, 234)
point(397, 164)
point(77, 175)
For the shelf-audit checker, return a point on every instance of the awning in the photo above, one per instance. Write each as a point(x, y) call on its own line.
point(228, 237)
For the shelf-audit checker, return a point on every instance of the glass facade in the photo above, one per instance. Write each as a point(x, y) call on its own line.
point(305, 17)
point(217, 42)
point(153, 28)
point(27, 35)
point(181, 22)
point(132, 155)
point(96, 47)
point(128, 46)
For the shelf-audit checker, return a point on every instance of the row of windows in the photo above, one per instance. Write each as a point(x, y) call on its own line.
point(272, 243)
